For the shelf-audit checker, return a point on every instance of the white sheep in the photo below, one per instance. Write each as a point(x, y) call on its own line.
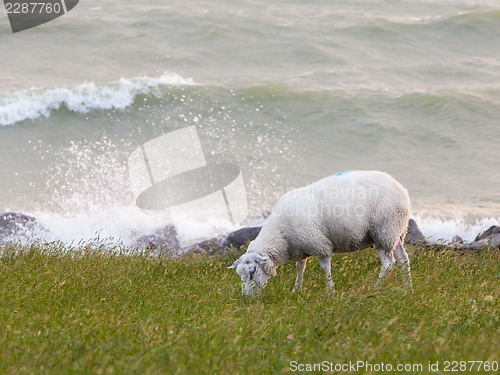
point(346, 212)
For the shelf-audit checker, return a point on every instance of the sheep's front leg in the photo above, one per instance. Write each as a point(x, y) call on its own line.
point(301, 266)
point(325, 265)
point(404, 262)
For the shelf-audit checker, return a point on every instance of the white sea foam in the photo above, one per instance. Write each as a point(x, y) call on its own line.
point(87, 195)
point(118, 225)
point(121, 225)
point(35, 102)
point(438, 229)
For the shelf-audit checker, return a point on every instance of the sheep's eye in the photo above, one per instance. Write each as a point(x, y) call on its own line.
point(252, 272)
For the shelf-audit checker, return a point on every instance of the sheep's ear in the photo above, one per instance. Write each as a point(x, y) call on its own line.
point(266, 264)
point(235, 264)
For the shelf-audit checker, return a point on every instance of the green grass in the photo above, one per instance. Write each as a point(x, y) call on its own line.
point(96, 310)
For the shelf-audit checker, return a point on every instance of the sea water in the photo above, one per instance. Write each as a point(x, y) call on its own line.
point(289, 91)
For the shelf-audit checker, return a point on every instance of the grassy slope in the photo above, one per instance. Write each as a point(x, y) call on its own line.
point(91, 312)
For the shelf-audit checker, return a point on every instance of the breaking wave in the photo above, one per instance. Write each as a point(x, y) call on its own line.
point(441, 229)
point(35, 103)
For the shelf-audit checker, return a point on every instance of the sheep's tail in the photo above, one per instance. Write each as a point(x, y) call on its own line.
point(403, 235)
point(405, 231)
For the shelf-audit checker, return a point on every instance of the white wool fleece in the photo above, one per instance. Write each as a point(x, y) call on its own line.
point(345, 212)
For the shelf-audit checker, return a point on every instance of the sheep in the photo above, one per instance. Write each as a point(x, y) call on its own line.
point(346, 212)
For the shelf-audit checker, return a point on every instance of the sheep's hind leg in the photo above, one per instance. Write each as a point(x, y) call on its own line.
point(387, 262)
point(301, 266)
point(325, 264)
point(404, 262)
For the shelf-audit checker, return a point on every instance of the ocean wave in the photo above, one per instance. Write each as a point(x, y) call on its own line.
point(474, 23)
point(442, 229)
point(472, 20)
point(84, 98)
point(35, 103)
point(444, 101)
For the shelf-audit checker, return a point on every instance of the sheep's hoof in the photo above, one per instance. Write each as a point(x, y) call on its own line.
point(297, 288)
point(408, 289)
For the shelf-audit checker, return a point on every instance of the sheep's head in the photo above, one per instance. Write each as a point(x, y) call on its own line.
point(254, 271)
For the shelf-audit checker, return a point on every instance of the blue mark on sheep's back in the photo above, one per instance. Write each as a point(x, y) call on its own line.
point(341, 173)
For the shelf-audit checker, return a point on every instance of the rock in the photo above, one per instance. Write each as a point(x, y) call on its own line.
point(414, 234)
point(492, 240)
point(12, 223)
point(457, 240)
point(211, 246)
point(488, 233)
point(165, 241)
point(163, 238)
point(166, 238)
point(219, 244)
point(240, 237)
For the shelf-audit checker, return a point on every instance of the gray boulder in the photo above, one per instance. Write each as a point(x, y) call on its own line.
point(164, 238)
point(489, 238)
point(14, 224)
point(166, 241)
point(240, 237)
point(491, 231)
point(414, 234)
point(457, 240)
point(211, 246)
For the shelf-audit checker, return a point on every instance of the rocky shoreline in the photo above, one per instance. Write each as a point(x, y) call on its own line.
point(165, 240)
